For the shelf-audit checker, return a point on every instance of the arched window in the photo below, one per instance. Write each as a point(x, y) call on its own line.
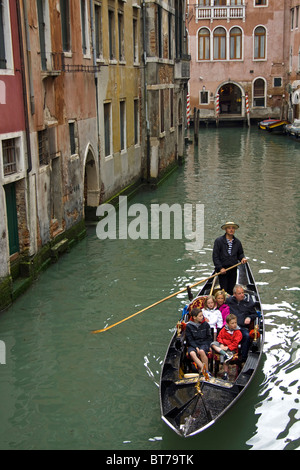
point(220, 44)
point(204, 44)
point(260, 43)
point(259, 94)
point(235, 43)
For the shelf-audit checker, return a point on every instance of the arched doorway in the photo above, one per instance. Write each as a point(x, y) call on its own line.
point(91, 185)
point(230, 99)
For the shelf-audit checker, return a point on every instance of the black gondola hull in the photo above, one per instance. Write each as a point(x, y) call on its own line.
point(190, 404)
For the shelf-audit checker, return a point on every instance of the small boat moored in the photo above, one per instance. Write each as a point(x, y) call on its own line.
point(293, 129)
point(273, 125)
point(264, 124)
point(191, 402)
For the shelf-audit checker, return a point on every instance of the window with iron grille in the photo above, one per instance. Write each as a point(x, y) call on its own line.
point(9, 151)
point(204, 97)
point(259, 93)
point(43, 147)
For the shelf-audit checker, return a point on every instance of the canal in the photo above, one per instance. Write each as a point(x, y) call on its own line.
point(65, 388)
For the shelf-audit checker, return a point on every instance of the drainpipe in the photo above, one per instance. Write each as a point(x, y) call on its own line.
point(146, 92)
point(29, 159)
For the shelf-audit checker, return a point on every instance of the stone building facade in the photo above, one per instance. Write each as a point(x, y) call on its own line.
point(165, 77)
point(81, 83)
point(242, 49)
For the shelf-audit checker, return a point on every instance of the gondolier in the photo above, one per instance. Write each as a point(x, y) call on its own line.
point(227, 252)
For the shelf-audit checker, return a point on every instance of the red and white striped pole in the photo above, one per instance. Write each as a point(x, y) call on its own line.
point(247, 108)
point(188, 110)
point(217, 106)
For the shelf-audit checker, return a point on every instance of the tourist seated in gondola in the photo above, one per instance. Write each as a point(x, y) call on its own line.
point(228, 341)
point(212, 314)
point(198, 338)
point(245, 311)
point(220, 297)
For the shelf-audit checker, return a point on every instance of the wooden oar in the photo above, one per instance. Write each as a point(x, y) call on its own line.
point(213, 286)
point(160, 301)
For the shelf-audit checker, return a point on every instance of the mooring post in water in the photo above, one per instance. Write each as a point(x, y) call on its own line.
point(247, 109)
point(196, 125)
point(217, 109)
point(2, 352)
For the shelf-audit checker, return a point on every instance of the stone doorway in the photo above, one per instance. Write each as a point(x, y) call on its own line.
point(91, 186)
point(230, 99)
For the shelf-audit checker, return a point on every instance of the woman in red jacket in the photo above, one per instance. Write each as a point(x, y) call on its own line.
point(227, 342)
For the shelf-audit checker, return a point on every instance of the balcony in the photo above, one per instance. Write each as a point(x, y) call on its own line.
point(220, 13)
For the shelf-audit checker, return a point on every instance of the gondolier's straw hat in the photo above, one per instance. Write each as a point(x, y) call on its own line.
point(230, 224)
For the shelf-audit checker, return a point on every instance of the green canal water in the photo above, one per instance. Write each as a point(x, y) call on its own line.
point(63, 387)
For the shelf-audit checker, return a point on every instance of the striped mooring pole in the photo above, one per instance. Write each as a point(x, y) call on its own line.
point(247, 108)
point(217, 107)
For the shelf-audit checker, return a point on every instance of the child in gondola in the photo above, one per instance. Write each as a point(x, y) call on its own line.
point(212, 314)
point(227, 342)
point(198, 337)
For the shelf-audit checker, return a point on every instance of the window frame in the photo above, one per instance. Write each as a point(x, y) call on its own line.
point(205, 39)
point(258, 37)
point(121, 40)
point(108, 150)
point(123, 126)
point(111, 35)
point(262, 5)
point(98, 31)
point(7, 40)
point(65, 15)
point(234, 36)
point(85, 37)
point(264, 96)
point(202, 93)
point(220, 38)
point(136, 123)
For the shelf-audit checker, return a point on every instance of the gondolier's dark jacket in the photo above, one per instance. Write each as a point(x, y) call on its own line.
point(197, 334)
point(243, 309)
point(221, 258)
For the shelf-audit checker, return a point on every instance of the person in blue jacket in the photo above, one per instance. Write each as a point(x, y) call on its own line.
point(227, 252)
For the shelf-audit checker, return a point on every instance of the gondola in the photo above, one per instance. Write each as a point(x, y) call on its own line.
point(191, 402)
